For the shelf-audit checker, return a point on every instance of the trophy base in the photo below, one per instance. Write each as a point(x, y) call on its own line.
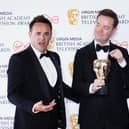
point(103, 91)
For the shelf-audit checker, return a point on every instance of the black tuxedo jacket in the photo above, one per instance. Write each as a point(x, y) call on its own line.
point(96, 109)
point(28, 84)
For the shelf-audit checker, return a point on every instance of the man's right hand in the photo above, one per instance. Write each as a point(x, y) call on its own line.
point(97, 84)
point(40, 107)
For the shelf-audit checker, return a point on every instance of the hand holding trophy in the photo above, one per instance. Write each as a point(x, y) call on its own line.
point(101, 69)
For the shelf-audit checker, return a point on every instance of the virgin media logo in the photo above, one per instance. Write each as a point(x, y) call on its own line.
point(123, 44)
point(53, 19)
point(19, 46)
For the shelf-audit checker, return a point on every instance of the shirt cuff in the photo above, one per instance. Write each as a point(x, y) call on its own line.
point(90, 89)
point(33, 109)
point(123, 63)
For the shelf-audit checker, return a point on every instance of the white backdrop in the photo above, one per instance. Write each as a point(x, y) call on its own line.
point(68, 35)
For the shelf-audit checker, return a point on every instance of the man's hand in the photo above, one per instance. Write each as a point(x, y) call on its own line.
point(40, 107)
point(117, 54)
point(97, 84)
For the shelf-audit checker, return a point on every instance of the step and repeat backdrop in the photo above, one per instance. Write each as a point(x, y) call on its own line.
point(73, 25)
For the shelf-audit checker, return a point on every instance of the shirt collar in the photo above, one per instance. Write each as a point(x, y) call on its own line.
point(107, 43)
point(37, 52)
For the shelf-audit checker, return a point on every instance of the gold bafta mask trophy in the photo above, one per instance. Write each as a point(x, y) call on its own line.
point(101, 69)
point(74, 121)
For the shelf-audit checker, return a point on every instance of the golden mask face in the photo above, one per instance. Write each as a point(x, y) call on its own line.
point(73, 120)
point(101, 68)
point(71, 69)
point(73, 15)
point(51, 43)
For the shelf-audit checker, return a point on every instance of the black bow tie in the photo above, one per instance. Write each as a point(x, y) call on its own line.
point(44, 54)
point(104, 48)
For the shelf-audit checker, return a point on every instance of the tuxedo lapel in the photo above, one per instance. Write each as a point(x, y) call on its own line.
point(55, 62)
point(92, 51)
point(113, 61)
point(41, 76)
point(112, 47)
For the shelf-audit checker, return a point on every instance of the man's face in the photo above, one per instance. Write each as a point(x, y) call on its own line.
point(103, 29)
point(40, 36)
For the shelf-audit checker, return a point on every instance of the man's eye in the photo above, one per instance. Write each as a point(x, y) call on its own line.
point(47, 33)
point(38, 33)
point(106, 27)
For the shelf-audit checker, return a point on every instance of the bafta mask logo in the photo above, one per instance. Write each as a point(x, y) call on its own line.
point(70, 68)
point(101, 68)
point(73, 15)
point(74, 121)
point(51, 43)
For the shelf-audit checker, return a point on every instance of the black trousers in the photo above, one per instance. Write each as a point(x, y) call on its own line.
point(104, 124)
point(107, 127)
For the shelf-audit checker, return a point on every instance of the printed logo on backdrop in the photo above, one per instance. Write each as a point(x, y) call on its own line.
point(53, 19)
point(4, 100)
point(73, 16)
point(51, 43)
point(19, 46)
point(69, 44)
point(3, 48)
point(6, 122)
point(9, 18)
point(88, 16)
point(70, 67)
point(123, 18)
point(3, 70)
point(76, 16)
point(123, 44)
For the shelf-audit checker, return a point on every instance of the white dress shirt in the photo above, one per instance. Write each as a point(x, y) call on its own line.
point(48, 67)
point(101, 54)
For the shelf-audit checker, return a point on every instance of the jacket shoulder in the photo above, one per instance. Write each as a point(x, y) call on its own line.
point(85, 49)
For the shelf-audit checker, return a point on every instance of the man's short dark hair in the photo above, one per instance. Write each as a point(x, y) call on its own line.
point(109, 13)
point(40, 18)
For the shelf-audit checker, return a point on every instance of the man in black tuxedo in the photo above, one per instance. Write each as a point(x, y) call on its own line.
point(102, 110)
point(35, 82)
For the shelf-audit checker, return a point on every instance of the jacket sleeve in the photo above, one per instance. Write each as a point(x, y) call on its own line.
point(70, 93)
point(79, 84)
point(125, 73)
point(15, 74)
